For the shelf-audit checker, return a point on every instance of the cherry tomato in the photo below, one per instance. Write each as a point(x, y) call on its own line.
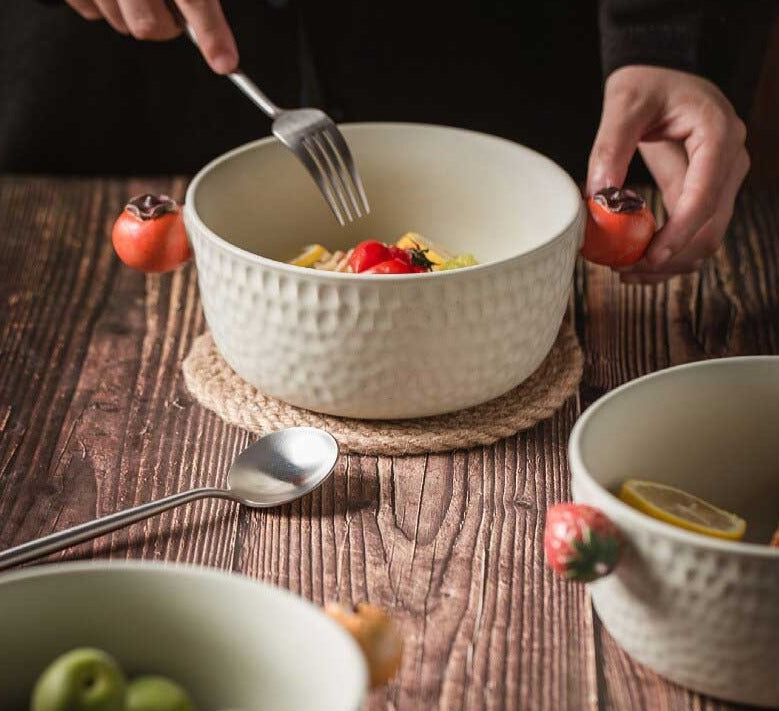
point(368, 254)
point(399, 253)
point(149, 234)
point(391, 266)
point(415, 258)
point(619, 228)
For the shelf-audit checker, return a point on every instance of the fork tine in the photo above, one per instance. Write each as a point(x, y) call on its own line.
point(330, 151)
point(329, 171)
point(302, 152)
point(342, 149)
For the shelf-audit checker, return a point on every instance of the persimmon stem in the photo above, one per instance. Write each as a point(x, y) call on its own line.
point(619, 200)
point(149, 206)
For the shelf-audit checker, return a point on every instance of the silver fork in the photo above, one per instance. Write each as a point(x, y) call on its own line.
point(315, 139)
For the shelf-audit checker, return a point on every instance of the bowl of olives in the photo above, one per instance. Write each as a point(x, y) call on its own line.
point(140, 636)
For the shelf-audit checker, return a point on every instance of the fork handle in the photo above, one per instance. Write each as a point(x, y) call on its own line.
point(246, 85)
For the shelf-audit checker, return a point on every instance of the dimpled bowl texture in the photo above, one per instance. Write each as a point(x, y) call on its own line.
point(701, 611)
point(387, 346)
point(231, 642)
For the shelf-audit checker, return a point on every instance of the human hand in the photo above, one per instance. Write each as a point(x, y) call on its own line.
point(152, 20)
point(692, 141)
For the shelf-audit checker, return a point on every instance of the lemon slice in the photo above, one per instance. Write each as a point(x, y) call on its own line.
point(681, 509)
point(310, 254)
point(413, 240)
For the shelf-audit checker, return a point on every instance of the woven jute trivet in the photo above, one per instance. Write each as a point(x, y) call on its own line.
point(216, 386)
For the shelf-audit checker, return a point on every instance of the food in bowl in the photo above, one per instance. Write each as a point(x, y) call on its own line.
point(90, 679)
point(156, 693)
point(331, 342)
point(411, 254)
point(680, 508)
point(169, 619)
point(80, 680)
point(684, 510)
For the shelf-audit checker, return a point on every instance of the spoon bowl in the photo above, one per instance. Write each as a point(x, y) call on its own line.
point(282, 466)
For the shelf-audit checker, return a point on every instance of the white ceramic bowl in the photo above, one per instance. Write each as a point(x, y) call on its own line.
point(701, 611)
point(379, 346)
point(232, 642)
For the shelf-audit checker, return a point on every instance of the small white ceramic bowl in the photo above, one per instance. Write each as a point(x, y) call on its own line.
point(231, 642)
point(380, 346)
point(701, 611)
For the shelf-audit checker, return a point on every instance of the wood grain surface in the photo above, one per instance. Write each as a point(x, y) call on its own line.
point(94, 416)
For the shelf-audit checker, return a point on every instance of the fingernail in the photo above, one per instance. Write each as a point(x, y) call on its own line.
point(594, 178)
point(224, 63)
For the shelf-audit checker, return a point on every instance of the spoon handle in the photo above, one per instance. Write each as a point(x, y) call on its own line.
point(100, 526)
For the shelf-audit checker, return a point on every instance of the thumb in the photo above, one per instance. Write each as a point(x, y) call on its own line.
point(624, 121)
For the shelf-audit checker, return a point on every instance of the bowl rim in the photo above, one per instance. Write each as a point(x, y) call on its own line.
point(177, 569)
point(636, 518)
point(192, 215)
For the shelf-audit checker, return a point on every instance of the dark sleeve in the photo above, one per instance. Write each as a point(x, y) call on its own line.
point(722, 40)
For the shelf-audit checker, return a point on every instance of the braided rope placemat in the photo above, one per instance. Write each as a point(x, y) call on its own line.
point(216, 386)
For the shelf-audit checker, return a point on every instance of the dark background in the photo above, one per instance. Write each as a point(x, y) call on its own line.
point(97, 102)
point(75, 97)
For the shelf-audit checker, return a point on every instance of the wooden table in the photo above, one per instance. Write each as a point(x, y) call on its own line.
point(94, 416)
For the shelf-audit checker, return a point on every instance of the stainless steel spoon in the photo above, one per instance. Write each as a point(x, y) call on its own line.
point(280, 467)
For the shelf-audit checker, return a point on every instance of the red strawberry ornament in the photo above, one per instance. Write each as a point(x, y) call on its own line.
point(580, 542)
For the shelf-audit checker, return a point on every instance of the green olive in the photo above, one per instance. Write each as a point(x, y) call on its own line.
point(156, 693)
point(83, 679)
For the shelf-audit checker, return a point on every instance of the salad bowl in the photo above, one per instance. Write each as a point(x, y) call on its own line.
point(379, 346)
point(701, 611)
point(229, 641)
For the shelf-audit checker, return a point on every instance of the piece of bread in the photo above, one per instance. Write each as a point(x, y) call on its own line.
point(378, 636)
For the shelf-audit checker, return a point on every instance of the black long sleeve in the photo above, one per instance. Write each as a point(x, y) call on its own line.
point(722, 40)
point(77, 97)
